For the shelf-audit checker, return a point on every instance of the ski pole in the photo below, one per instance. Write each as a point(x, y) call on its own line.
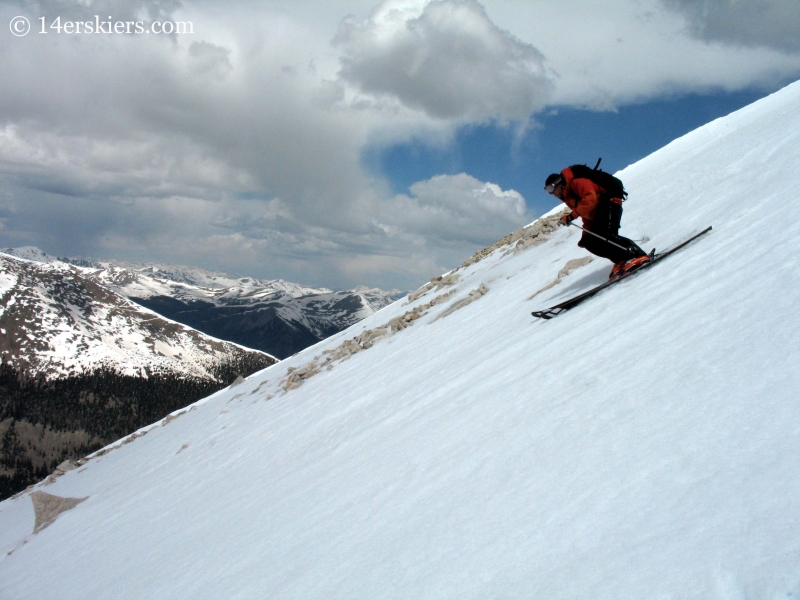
point(600, 236)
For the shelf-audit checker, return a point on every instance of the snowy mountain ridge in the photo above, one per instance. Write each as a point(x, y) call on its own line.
point(55, 323)
point(641, 445)
point(144, 280)
point(123, 273)
point(274, 316)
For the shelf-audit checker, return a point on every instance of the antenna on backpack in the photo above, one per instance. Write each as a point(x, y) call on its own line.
point(598, 163)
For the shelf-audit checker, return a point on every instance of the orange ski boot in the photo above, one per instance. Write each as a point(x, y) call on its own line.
point(617, 270)
point(636, 262)
point(626, 266)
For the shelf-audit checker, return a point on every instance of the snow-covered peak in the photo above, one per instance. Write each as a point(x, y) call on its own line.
point(274, 316)
point(28, 253)
point(120, 273)
point(642, 445)
point(56, 323)
point(145, 280)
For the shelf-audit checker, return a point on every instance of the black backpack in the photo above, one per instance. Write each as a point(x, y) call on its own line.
point(612, 185)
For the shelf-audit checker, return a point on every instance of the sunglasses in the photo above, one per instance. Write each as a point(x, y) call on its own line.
point(550, 187)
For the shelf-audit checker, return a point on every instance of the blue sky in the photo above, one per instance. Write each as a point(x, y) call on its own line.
point(349, 142)
point(561, 137)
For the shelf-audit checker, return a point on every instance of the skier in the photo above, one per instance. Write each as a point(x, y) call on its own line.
point(601, 214)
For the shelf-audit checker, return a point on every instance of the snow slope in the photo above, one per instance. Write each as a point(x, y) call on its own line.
point(642, 445)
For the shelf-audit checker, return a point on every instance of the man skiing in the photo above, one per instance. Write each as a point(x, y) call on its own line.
point(600, 212)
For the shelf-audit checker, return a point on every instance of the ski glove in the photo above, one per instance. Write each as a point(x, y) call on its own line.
point(567, 219)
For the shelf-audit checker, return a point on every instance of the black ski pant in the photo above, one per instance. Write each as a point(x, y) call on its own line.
point(606, 224)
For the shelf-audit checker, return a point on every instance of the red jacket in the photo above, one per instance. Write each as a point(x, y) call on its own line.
point(582, 196)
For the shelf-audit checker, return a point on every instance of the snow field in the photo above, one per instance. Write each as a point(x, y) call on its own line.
point(642, 445)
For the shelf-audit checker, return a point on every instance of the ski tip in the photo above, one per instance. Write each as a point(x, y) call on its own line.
point(547, 313)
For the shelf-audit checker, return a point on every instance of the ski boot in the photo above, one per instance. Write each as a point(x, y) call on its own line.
point(627, 266)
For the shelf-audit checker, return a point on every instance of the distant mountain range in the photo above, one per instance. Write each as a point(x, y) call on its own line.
point(81, 366)
point(274, 316)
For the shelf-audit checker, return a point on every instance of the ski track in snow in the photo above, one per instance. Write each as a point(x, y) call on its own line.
point(642, 445)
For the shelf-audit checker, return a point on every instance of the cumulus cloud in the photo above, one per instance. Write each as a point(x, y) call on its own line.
point(435, 226)
point(444, 57)
point(458, 208)
point(766, 23)
point(607, 54)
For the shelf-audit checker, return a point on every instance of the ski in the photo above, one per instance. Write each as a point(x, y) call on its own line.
point(556, 310)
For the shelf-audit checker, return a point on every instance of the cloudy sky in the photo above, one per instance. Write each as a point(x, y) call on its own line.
point(347, 142)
